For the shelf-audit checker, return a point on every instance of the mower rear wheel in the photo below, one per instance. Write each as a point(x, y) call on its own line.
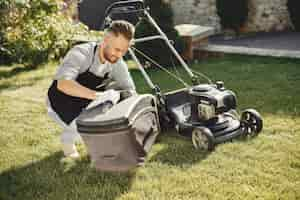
point(203, 139)
point(251, 122)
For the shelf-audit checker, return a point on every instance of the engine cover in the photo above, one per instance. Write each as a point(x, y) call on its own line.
point(209, 100)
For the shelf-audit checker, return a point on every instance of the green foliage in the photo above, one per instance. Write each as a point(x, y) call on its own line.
point(31, 31)
point(233, 13)
point(294, 6)
point(162, 13)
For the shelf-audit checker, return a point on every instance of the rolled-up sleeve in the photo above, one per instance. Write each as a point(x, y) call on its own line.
point(121, 75)
point(72, 64)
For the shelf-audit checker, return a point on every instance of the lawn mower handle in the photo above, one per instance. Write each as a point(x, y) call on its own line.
point(139, 4)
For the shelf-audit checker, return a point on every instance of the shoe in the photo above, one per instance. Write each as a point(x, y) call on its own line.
point(70, 150)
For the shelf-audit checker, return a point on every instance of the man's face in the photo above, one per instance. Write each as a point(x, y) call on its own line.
point(114, 47)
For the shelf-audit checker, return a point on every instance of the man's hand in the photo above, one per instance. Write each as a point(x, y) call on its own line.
point(111, 95)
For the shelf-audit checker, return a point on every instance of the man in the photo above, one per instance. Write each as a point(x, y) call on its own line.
point(81, 79)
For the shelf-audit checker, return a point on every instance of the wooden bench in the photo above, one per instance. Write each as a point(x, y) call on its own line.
point(194, 37)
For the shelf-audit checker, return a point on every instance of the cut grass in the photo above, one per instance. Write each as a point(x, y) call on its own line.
point(267, 167)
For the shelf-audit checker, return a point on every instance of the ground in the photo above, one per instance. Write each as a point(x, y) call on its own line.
point(267, 167)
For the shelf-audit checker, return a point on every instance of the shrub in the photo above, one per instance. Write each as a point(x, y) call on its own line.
point(162, 13)
point(31, 32)
point(233, 13)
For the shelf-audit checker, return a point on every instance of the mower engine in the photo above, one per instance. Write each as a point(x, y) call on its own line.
point(207, 101)
point(207, 113)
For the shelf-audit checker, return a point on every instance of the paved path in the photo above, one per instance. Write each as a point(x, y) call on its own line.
point(280, 44)
point(279, 40)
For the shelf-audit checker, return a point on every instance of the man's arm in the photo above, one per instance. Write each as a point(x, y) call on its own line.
point(73, 88)
point(74, 62)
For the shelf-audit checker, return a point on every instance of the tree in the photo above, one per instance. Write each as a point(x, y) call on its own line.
point(233, 13)
point(294, 8)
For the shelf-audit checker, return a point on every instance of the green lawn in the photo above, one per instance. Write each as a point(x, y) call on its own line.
point(267, 167)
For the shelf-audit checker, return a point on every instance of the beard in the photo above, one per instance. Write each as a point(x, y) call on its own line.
point(110, 58)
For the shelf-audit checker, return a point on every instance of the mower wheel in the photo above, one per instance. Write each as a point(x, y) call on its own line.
point(251, 122)
point(203, 139)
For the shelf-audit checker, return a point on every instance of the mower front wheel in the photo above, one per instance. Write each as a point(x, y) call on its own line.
point(203, 139)
point(251, 122)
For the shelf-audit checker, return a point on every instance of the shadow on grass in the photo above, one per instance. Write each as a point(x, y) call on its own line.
point(15, 71)
point(12, 71)
point(13, 86)
point(177, 151)
point(52, 178)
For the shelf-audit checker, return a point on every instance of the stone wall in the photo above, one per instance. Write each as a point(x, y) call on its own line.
point(268, 15)
point(264, 15)
point(200, 12)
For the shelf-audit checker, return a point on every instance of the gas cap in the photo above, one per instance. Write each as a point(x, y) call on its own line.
point(220, 85)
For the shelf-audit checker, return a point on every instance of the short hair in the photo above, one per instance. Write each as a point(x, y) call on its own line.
point(122, 27)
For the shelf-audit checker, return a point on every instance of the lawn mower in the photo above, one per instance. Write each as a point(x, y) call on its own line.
point(119, 137)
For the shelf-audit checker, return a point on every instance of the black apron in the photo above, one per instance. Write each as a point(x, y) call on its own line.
point(69, 107)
